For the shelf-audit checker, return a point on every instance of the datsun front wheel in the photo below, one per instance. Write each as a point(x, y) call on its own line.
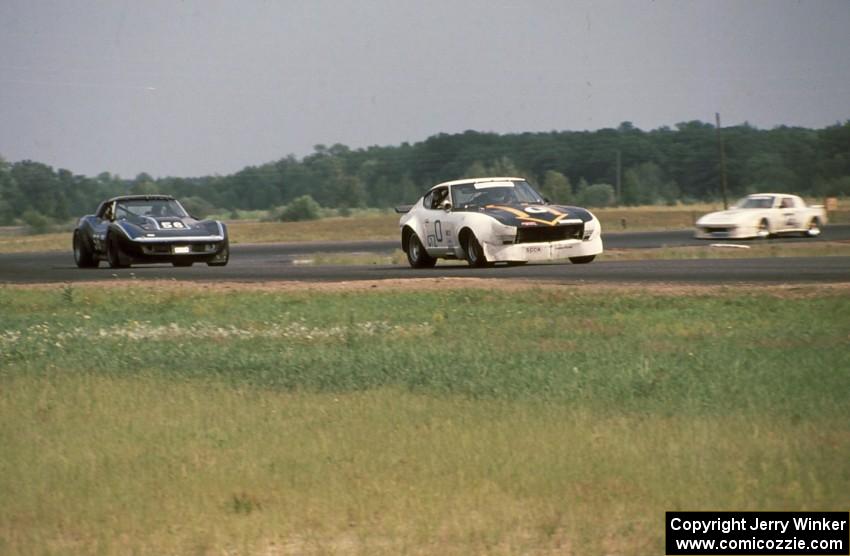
point(416, 254)
point(474, 253)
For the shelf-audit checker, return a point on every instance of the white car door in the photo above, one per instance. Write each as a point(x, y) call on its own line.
point(436, 225)
point(775, 217)
point(790, 213)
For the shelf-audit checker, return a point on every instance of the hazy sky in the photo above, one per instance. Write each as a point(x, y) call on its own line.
point(198, 87)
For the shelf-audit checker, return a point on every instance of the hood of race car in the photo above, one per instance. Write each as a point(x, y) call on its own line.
point(170, 226)
point(731, 216)
point(535, 215)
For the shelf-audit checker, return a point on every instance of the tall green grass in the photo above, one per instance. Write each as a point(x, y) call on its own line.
point(435, 422)
point(696, 354)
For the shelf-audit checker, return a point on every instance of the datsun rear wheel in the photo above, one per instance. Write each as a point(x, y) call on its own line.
point(416, 254)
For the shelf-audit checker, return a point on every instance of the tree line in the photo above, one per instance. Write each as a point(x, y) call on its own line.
point(664, 165)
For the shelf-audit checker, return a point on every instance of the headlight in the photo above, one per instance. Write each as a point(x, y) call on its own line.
point(497, 229)
point(590, 228)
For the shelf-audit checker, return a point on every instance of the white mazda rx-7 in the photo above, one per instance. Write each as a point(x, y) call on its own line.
point(490, 220)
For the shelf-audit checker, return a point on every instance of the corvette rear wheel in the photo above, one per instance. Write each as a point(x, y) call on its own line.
point(83, 255)
point(582, 260)
point(416, 254)
point(474, 253)
point(116, 258)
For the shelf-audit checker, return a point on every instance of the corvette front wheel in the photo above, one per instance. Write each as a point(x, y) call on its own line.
point(223, 256)
point(116, 258)
point(416, 254)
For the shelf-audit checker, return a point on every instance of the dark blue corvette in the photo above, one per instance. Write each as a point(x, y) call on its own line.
point(148, 229)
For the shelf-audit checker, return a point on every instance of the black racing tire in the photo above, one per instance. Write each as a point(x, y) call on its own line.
point(763, 229)
point(114, 256)
point(182, 263)
point(417, 256)
point(474, 253)
point(83, 253)
point(814, 228)
point(582, 260)
point(225, 252)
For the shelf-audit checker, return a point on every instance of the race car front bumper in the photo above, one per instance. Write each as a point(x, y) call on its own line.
point(543, 251)
point(725, 231)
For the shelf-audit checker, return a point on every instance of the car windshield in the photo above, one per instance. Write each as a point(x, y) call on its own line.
point(494, 193)
point(156, 208)
point(755, 203)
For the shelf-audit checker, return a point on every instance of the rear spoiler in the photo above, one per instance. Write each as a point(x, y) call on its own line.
point(402, 209)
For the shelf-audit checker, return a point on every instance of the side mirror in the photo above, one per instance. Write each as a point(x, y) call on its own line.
point(446, 205)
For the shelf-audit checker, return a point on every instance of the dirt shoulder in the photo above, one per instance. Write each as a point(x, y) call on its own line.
point(436, 284)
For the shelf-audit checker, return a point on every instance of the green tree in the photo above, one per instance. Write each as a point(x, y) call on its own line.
point(37, 222)
point(556, 187)
point(198, 206)
point(145, 188)
point(39, 189)
point(408, 192)
point(767, 172)
point(597, 195)
point(350, 192)
point(302, 208)
point(642, 184)
point(503, 166)
point(8, 190)
point(475, 170)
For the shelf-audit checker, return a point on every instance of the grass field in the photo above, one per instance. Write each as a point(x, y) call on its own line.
point(163, 419)
point(372, 226)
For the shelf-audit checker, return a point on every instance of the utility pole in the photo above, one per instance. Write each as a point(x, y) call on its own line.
point(722, 161)
point(619, 173)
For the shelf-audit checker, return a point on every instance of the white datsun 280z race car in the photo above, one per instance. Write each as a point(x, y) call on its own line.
point(488, 220)
point(761, 215)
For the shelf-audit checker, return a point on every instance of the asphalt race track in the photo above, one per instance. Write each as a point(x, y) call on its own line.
point(275, 262)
